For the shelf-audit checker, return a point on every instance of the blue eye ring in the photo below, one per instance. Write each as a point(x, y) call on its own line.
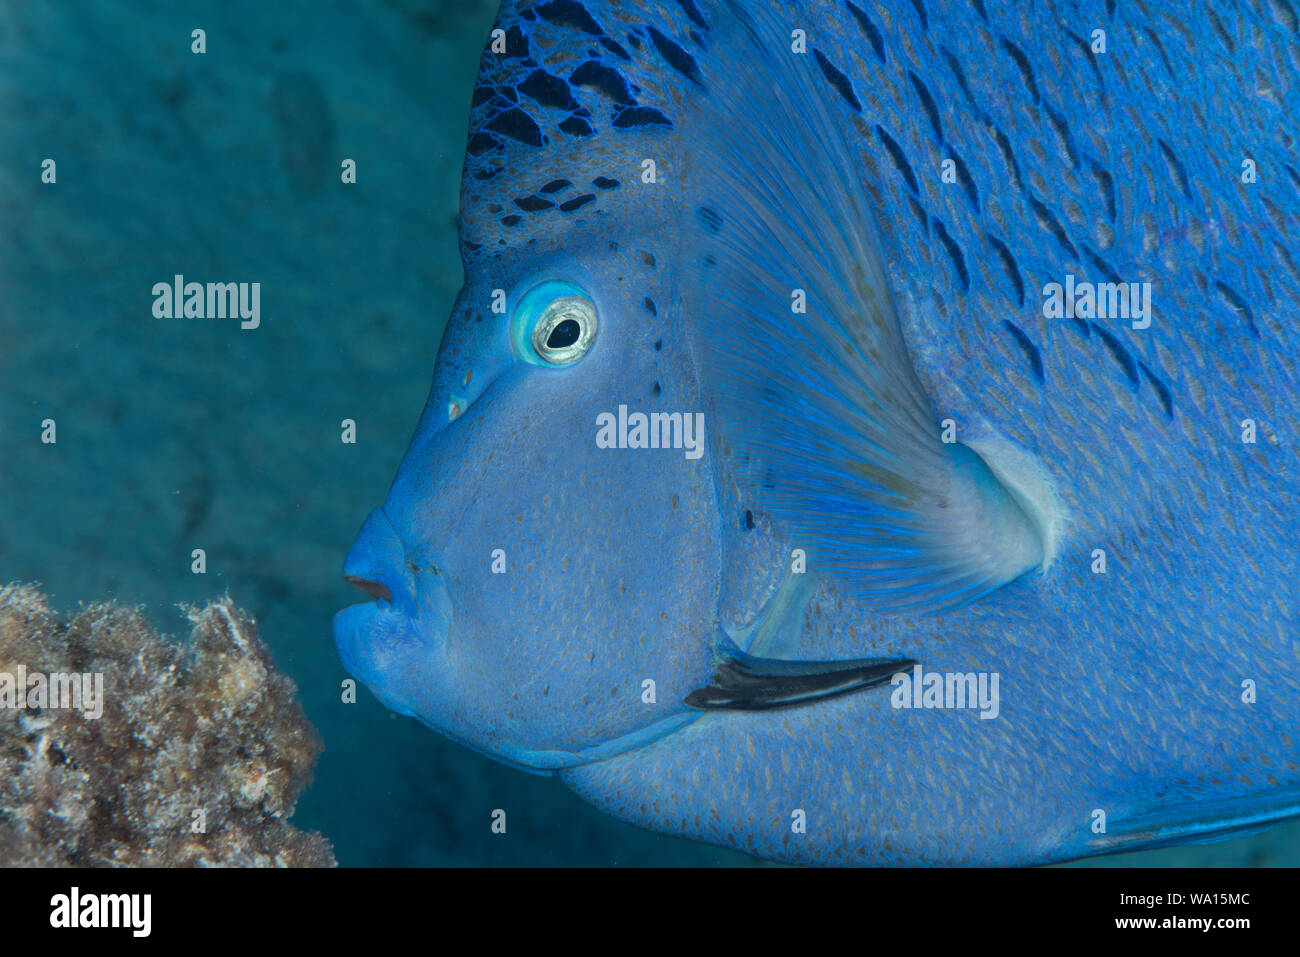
point(554, 324)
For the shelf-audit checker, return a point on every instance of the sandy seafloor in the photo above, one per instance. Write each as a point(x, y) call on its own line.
point(182, 434)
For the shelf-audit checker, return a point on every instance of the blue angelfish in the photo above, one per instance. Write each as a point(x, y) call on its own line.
point(866, 431)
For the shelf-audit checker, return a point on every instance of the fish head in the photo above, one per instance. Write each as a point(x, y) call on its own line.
point(538, 597)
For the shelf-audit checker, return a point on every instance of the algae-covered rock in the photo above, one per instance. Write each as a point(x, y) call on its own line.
point(197, 758)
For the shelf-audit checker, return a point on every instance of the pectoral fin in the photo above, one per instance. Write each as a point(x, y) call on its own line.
point(742, 682)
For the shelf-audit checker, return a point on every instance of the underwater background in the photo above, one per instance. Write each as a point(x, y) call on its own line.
point(177, 434)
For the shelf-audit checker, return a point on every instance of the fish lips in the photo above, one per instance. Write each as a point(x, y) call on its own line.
point(387, 643)
point(390, 653)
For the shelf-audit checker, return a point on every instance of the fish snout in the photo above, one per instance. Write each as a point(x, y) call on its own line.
point(376, 564)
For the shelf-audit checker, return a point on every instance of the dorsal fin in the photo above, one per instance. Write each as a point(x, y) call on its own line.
point(821, 413)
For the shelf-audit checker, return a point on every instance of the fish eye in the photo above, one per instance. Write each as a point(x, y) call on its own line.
point(556, 323)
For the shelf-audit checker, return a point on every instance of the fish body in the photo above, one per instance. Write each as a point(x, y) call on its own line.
point(990, 317)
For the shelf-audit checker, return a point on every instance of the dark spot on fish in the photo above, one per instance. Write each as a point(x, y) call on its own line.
point(614, 246)
point(709, 218)
point(1008, 157)
point(548, 90)
point(1224, 36)
point(512, 220)
point(488, 172)
point(1063, 134)
point(691, 10)
point(634, 116)
point(576, 126)
point(604, 182)
point(1295, 177)
point(868, 29)
point(1026, 71)
point(577, 202)
point(555, 185)
point(1085, 48)
point(659, 344)
point(896, 154)
point(1176, 168)
point(1101, 266)
point(1009, 264)
point(709, 260)
point(616, 48)
point(920, 12)
point(516, 43)
point(634, 40)
point(677, 57)
point(919, 213)
point(1107, 184)
point(655, 389)
point(482, 94)
point(927, 103)
point(480, 143)
point(648, 258)
point(1239, 305)
point(1160, 48)
point(533, 204)
point(748, 521)
point(569, 13)
point(979, 8)
point(605, 80)
point(838, 80)
point(1162, 390)
point(1031, 350)
point(1121, 354)
point(518, 125)
point(957, 73)
point(1052, 225)
point(650, 306)
point(954, 253)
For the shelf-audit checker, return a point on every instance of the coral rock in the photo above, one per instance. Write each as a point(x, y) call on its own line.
point(200, 753)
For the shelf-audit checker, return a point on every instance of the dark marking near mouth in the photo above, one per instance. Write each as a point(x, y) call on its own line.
point(372, 588)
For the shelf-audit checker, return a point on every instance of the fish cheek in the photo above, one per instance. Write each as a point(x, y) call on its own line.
point(584, 579)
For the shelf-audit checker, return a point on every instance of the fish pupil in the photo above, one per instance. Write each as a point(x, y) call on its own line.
point(565, 334)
